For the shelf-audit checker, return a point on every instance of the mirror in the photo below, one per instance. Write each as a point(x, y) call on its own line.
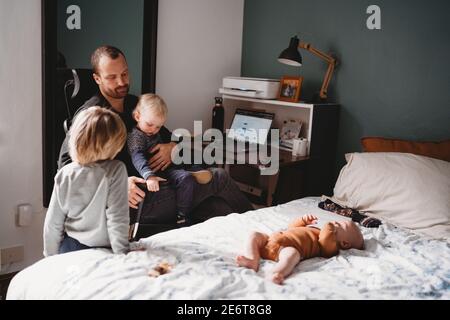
point(71, 31)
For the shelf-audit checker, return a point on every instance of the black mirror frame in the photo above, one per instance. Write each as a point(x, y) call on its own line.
point(49, 58)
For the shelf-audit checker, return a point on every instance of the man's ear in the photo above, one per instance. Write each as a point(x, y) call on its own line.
point(345, 245)
point(96, 78)
point(136, 115)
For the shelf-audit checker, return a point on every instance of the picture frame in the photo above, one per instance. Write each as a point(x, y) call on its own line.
point(290, 130)
point(290, 88)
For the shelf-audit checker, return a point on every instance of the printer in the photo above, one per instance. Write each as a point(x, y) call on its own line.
point(250, 87)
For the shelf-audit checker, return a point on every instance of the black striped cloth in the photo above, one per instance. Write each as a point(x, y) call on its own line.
point(362, 219)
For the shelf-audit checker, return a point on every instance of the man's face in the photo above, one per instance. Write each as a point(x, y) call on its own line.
point(112, 77)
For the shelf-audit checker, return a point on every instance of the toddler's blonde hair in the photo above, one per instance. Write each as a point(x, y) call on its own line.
point(96, 134)
point(153, 103)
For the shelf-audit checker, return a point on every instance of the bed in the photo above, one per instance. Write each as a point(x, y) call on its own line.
point(404, 184)
point(396, 264)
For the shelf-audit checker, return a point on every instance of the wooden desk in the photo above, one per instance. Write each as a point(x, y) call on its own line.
point(320, 123)
point(287, 184)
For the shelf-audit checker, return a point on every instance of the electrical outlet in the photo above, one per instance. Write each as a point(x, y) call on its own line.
point(12, 255)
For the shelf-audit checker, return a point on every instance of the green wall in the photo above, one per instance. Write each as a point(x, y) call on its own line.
point(392, 82)
point(115, 22)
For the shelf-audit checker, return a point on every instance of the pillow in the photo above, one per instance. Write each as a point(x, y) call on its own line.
point(438, 150)
point(406, 190)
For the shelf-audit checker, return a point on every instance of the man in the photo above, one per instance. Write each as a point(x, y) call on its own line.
point(219, 197)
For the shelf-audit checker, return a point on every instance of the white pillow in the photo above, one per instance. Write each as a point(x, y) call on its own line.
point(401, 188)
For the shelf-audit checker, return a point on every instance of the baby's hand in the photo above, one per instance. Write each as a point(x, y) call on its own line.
point(153, 183)
point(309, 219)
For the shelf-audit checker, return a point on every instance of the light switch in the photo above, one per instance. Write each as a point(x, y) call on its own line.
point(24, 215)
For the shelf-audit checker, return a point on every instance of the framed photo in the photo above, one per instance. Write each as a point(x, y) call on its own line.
point(290, 88)
point(289, 131)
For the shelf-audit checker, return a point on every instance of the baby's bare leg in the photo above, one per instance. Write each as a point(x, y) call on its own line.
point(256, 241)
point(288, 258)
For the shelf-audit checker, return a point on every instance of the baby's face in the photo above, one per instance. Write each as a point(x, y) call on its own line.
point(348, 234)
point(149, 123)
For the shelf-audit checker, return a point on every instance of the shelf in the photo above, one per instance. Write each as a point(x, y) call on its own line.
point(274, 102)
point(301, 105)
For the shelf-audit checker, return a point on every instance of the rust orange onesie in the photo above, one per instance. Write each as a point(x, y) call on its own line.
point(309, 241)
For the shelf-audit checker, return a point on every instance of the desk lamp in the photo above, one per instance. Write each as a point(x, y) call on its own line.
point(292, 57)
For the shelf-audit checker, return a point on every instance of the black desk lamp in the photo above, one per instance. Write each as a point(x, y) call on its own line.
point(292, 57)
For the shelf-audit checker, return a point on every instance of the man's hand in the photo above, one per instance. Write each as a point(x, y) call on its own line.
point(135, 194)
point(309, 219)
point(163, 156)
point(153, 183)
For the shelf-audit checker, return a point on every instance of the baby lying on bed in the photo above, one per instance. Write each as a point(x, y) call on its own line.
point(304, 239)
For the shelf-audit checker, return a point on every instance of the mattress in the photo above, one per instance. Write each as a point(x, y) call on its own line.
point(395, 264)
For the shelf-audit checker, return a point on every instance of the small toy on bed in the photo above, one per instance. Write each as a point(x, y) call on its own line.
point(160, 269)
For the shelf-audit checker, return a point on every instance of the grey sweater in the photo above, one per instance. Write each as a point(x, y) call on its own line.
point(90, 204)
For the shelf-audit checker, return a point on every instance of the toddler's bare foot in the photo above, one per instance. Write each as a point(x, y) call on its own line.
point(247, 263)
point(277, 278)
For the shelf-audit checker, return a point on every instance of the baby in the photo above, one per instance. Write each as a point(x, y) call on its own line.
point(302, 240)
point(150, 115)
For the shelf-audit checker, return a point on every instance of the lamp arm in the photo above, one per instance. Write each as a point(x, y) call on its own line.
point(331, 64)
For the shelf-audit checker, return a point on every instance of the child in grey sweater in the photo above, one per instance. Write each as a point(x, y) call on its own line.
point(89, 203)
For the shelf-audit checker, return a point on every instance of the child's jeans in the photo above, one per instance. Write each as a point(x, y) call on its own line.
point(184, 184)
point(70, 244)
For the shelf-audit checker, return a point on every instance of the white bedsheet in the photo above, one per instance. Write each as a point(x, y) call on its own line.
point(395, 265)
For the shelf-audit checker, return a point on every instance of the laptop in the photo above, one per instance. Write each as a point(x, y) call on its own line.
point(250, 128)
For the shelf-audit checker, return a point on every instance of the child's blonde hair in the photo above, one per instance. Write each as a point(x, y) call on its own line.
point(96, 134)
point(153, 103)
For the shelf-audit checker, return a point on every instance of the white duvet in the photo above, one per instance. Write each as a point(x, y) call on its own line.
point(396, 264)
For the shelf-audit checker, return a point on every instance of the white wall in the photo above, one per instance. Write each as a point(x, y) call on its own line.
point(199, 42)
point(20, 126)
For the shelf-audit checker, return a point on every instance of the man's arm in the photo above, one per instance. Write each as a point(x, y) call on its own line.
point(162, 156)
point(135, 194)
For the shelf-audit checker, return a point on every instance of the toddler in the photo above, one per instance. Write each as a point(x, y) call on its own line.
point(150, 115)
point(89, 203)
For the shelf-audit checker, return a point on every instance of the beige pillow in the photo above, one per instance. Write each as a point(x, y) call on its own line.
point(406, 190)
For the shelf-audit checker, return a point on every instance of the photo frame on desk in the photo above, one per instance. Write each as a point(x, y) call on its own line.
point(290, 130)
point(290, 88)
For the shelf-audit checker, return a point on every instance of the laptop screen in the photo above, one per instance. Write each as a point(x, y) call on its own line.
point(250, 126)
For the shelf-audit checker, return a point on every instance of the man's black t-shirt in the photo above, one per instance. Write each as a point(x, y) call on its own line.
point(130, 103)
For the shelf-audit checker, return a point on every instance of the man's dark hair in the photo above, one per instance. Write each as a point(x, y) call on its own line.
point(109, 51)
